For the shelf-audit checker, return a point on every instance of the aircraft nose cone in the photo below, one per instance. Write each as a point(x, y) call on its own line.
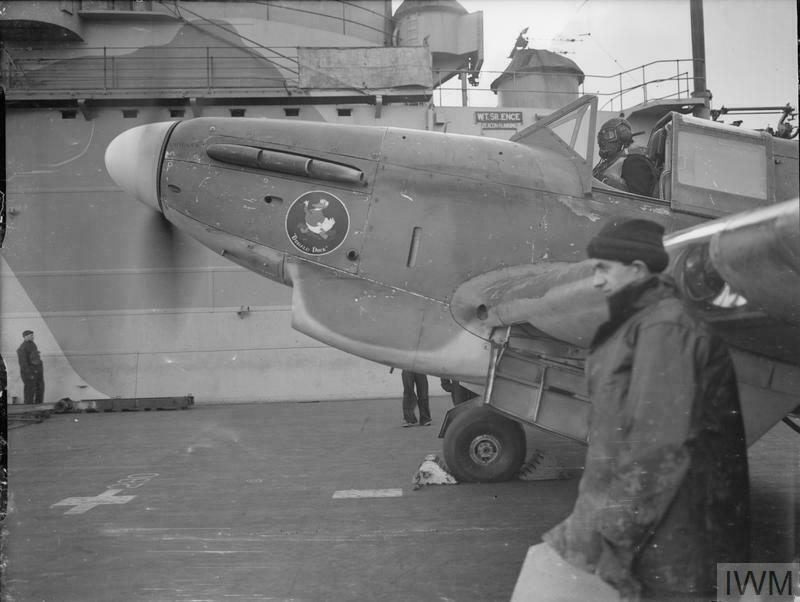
point(132, 161)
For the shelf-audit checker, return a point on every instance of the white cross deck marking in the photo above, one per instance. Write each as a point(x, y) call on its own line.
point(82, 504)
point(360, 493)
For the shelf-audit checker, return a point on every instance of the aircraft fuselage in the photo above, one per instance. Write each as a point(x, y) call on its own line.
point(375, 228)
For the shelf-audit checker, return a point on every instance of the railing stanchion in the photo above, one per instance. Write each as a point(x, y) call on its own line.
point(644, 83)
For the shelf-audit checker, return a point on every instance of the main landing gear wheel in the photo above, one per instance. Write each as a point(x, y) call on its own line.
point(482, 446)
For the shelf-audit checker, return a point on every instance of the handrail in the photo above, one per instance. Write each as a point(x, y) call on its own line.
point(645, 65)
point(164, 68)
point(208, 67)
point(597, 84)
point(684, 76)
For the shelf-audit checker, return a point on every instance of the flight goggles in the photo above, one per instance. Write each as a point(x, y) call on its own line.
point(609, 135)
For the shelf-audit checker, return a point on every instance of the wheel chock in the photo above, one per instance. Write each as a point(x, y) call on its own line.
point(432, 472)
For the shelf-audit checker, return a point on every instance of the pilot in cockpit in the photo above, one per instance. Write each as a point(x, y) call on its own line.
point(621, 166)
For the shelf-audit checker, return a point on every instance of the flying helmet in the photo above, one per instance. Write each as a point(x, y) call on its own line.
point(616, 130)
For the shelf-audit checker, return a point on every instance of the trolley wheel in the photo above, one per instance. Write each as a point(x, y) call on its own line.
point(482, 446)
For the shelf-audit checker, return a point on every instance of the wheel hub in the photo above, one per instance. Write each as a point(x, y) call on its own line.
point(485, 449)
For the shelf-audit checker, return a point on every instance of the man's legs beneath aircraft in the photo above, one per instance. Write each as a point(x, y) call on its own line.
point(418, 399)
point(422, 399)
point(409, 398)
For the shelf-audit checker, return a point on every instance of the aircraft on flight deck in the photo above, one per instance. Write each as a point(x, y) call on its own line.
point(399, 243)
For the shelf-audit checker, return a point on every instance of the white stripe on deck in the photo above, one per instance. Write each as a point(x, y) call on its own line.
point(361, 493)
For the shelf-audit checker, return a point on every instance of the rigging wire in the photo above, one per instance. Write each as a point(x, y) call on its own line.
point(624, 69)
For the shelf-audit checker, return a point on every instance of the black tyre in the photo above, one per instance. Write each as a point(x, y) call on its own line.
point(482, 446)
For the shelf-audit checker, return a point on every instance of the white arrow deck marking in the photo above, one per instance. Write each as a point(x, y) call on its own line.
point(360, 493)
point(82, 504)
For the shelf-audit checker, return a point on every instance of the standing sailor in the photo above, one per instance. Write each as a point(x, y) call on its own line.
point(31, 369)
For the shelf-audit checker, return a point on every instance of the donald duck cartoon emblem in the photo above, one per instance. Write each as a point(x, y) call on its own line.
point(317, 222)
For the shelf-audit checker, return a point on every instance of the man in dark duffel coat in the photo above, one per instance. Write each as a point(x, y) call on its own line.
point(664, 494)
point(31, 369)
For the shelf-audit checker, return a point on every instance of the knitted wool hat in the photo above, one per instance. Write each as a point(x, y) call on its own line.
point(626, 240)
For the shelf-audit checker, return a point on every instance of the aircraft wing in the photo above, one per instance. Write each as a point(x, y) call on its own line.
point(740, 272)
point(554, 297)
